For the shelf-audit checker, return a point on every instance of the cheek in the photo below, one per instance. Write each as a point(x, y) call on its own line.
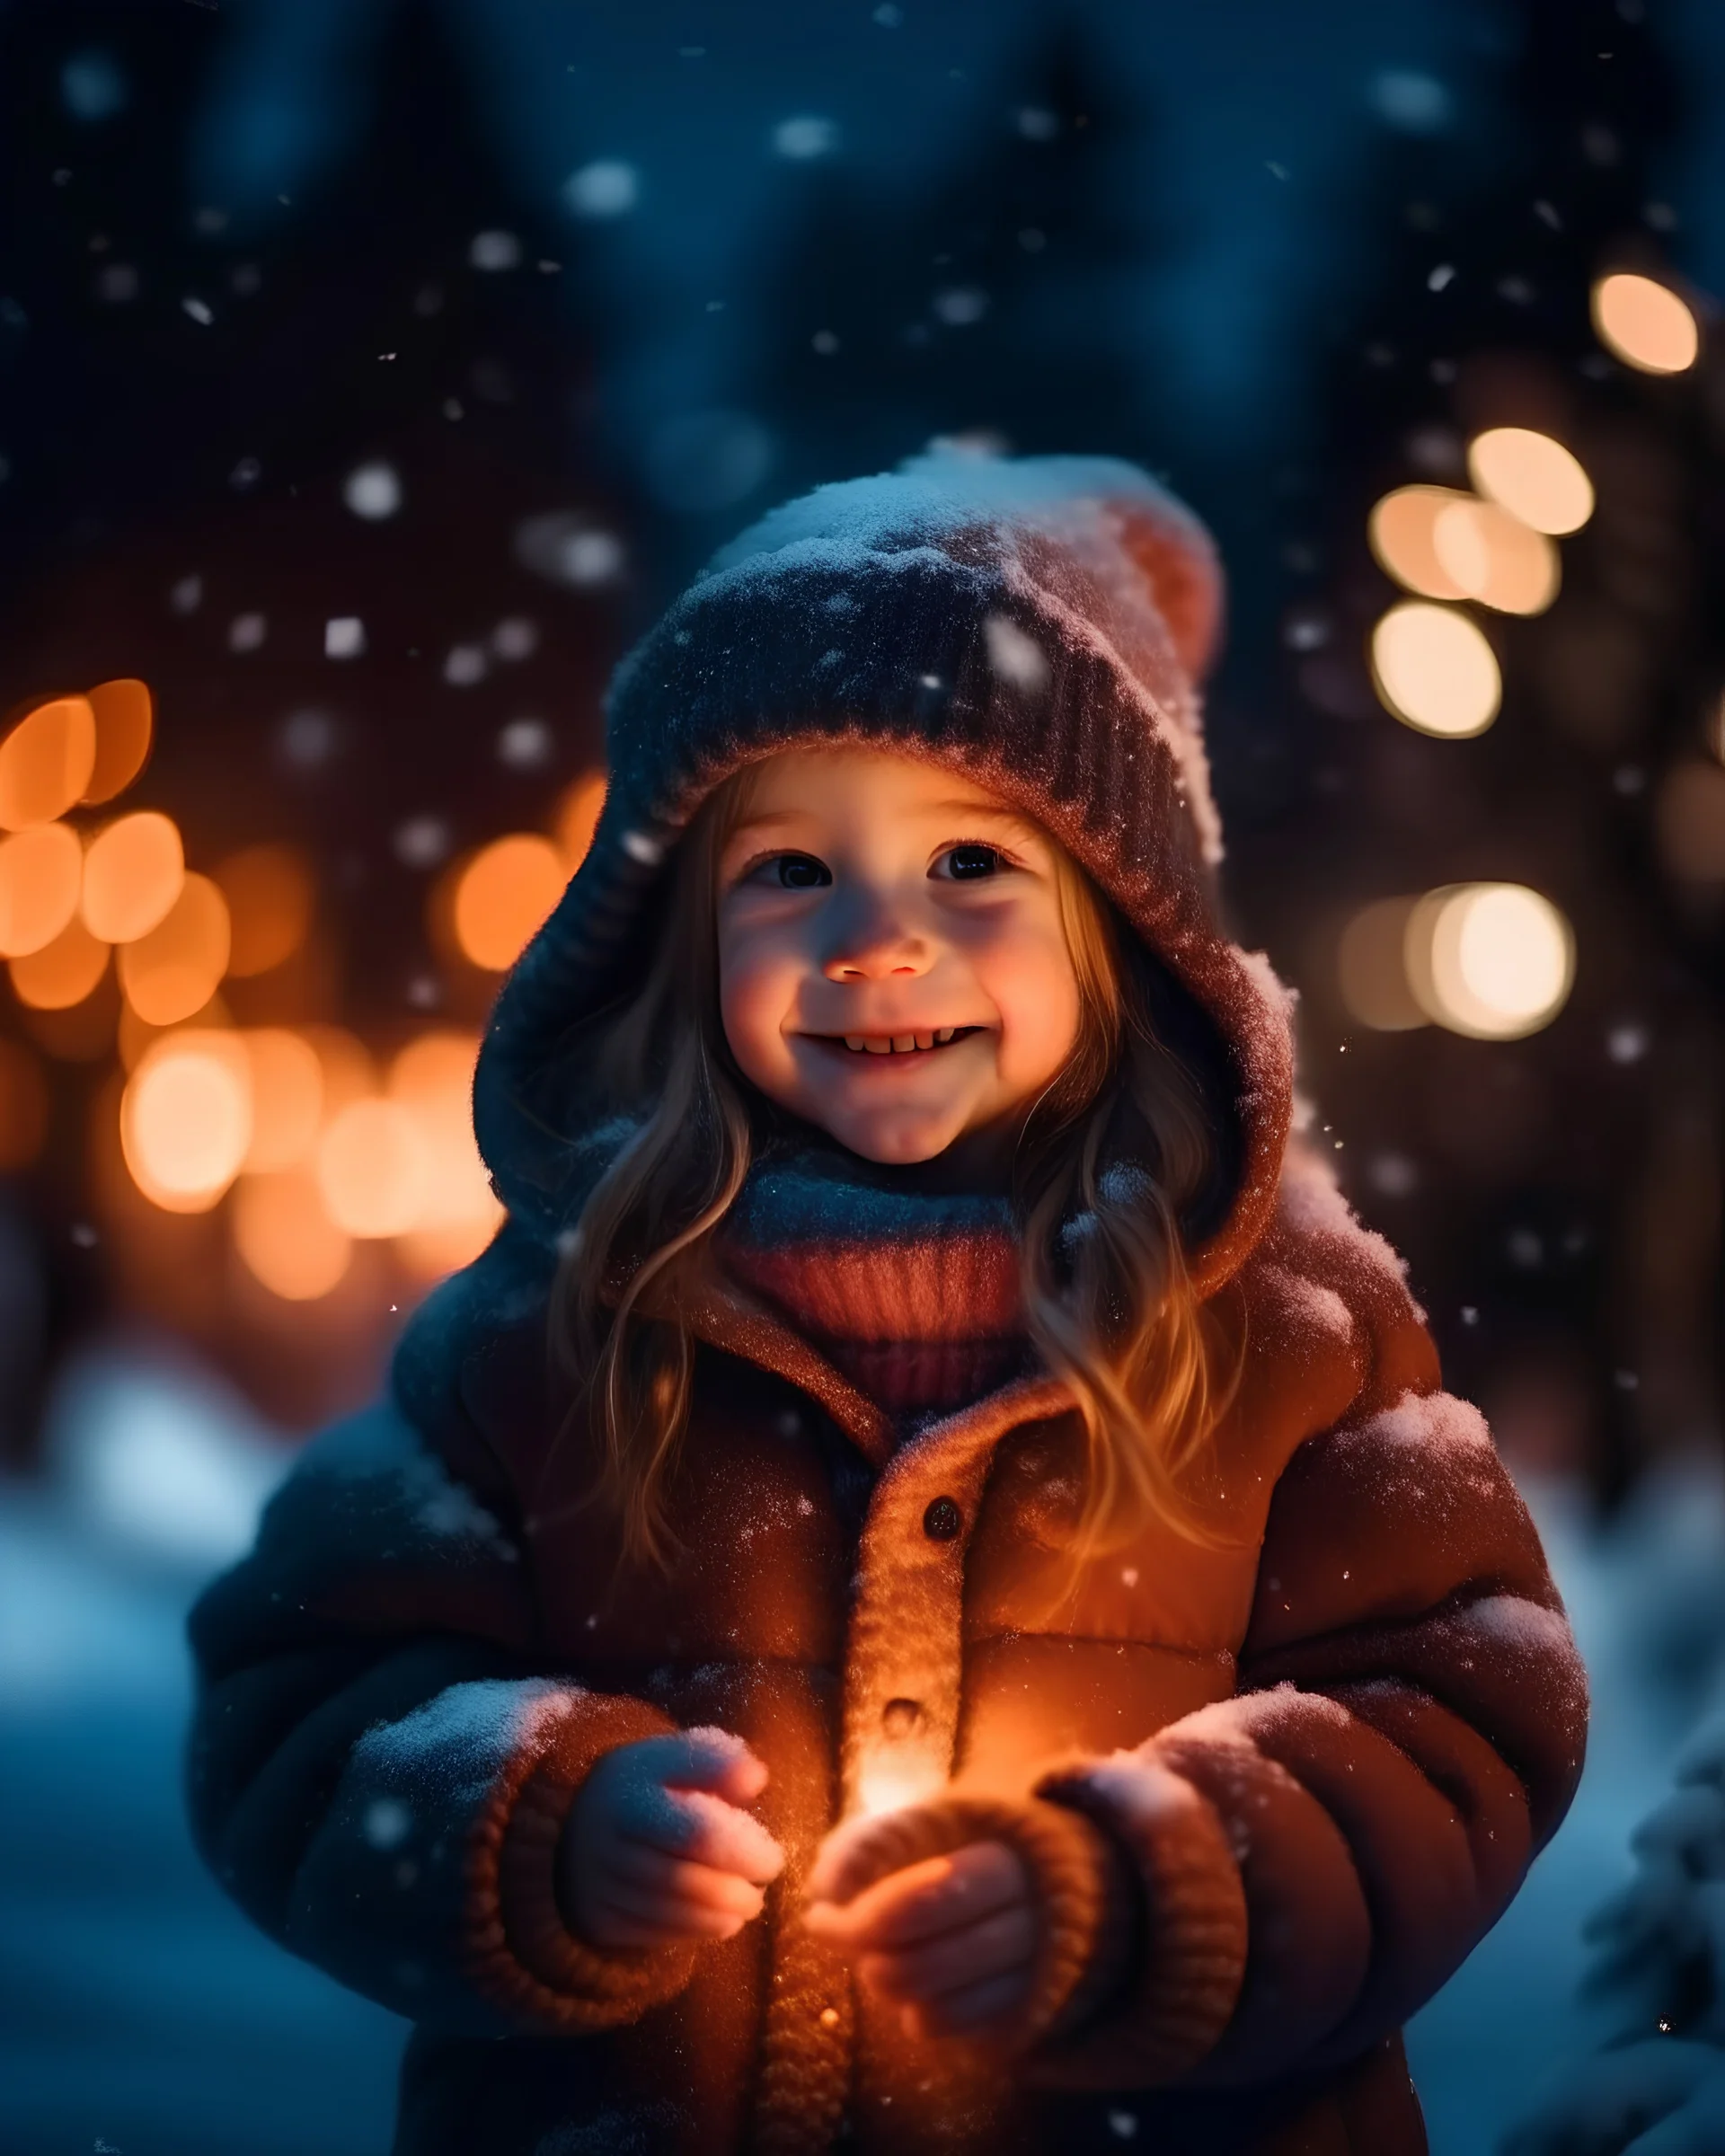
point(1035, 992)
point(757, 983)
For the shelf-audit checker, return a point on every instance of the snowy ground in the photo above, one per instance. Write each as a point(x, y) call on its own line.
point(140, 2014)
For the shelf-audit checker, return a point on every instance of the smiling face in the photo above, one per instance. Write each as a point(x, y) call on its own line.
point(893, 958)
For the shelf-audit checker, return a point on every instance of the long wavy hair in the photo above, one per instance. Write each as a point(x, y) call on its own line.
point(1112, 1154)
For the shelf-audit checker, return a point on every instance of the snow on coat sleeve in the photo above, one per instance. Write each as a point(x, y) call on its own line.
point(379, 1768)
point(1407, 1733)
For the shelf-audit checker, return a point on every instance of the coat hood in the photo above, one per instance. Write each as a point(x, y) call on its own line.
point(1040, 624)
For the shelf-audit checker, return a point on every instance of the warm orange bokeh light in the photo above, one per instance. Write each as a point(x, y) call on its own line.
point(286, 1099)
point(1533, 477)
point(1434, 669)
point(432, 1079)
point(185, 1119)
point(372, 1169)
point(125, 718)
point(46, 762)
point(578, 818)
point(40, 871)
point(132, 875)
point(1646, 324)
point(1402, 530)
point(270, 895)
point(171, 972)
point(63, 972)
point(346, 1062)
point(505, 892)
point(285, 1237)
point(1493, 961)
point(24, 1107)
point(1495, 557)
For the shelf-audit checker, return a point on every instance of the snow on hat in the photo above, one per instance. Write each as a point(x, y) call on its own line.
point(1040, 624)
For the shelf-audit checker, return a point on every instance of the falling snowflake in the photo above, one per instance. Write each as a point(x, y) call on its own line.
point(606, 188)
point(372, 491)
point(465, 664)
point(1417, 103)
point(805, 136)
point(494, 251)
point(960, 304)
point(422, 841)
point(1015, 658)
point(1628, 1043)
point(387, 1823)
point(344, 636)
point(524, 745)
point(247, 632)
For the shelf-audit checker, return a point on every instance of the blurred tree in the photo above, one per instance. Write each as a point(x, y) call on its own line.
point(1572, 1265)
point(1008, 305)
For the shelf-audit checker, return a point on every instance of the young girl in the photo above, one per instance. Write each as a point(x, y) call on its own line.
point(925, 1594)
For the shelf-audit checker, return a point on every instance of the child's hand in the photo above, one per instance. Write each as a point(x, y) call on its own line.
point(655, 1850)
point(952, 1939)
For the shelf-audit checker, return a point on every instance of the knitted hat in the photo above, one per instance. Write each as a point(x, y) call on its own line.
point(1039, 624)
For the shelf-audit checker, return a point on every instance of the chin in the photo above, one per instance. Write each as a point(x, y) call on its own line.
point(895, 1148)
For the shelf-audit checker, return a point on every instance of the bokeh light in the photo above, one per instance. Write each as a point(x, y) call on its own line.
point(1401, 532)
point(1645, 324)
point(61, 973)
point(372, 1169)
point(1533, 477)
point(286, 1098)
point(125, 715)
point(132, 875)
point(1435, 670)
point(271, 896)
point(578, 818)
point(46, 762)
point(285, 1237)
point(504, 894)
point(1495, 557)
point(432, 1079)
point(1491, 960)
point(40, 871)
point(185, 1119)
point(172, 972)
point(24, 1107)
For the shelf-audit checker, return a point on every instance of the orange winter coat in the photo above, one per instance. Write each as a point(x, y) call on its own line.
point(1329, 1754)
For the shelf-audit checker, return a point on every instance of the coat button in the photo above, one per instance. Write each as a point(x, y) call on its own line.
point(901, 1717)
point(943, 1520)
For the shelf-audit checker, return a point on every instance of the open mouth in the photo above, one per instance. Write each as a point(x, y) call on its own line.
point(895, 1044)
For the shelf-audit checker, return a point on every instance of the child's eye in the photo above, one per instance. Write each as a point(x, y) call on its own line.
point(791, 872)
point(968, 863)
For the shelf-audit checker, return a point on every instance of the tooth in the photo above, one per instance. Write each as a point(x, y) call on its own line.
point(902, 1043)
point(878, 1048)
point(942, 1035)
point(924, 1040)
point(853, 1041)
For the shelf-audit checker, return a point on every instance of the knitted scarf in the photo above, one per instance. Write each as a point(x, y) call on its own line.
point(912, 1294)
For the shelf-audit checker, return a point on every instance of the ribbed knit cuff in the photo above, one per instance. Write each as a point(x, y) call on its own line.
point(1191, 1959)
point(1084, 1931)
point(522, 1949)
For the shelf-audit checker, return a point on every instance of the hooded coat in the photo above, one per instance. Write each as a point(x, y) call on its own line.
point(1271, 1792)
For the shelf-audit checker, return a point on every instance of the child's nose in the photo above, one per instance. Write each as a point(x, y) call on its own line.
point(873, 942)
